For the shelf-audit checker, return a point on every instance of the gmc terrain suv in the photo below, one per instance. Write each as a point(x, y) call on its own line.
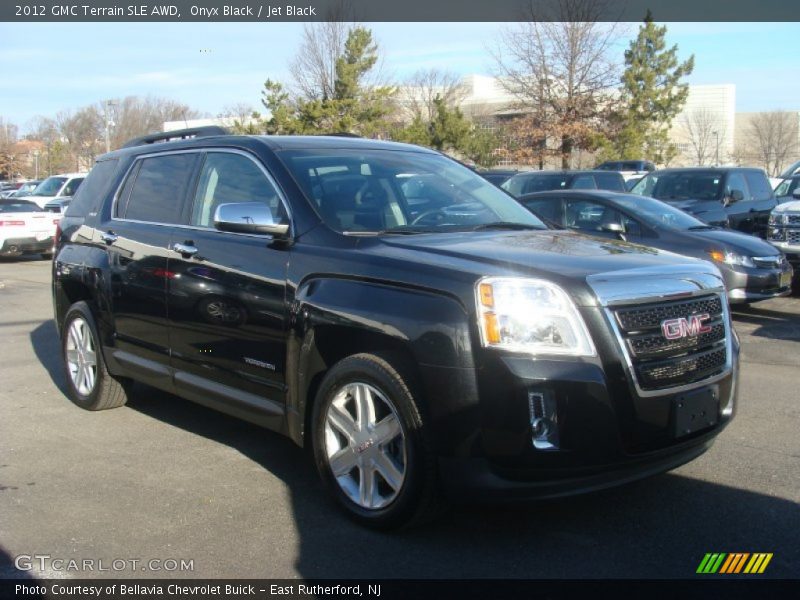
point(454, 344)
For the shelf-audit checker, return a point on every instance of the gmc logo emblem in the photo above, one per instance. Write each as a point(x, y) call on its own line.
point(674, 329)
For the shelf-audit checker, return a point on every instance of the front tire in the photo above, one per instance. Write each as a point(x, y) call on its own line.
point(371, 443)
point(89, 384)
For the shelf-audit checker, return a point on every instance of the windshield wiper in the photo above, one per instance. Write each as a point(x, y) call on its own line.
point(406, 230)
point(700, 227)
point(507, 225)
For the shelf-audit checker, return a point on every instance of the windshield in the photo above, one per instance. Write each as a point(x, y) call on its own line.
point(49, 187)
point(658, 214)
point(19, 207)
point(387, 191)
point(681, 185)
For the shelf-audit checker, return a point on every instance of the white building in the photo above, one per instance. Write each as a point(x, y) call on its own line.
point(705, 130)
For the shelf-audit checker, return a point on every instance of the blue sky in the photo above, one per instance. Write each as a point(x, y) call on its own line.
point(49, 67)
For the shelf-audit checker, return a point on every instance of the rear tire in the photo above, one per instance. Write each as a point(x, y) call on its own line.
point(371, 443)
point(89, 384)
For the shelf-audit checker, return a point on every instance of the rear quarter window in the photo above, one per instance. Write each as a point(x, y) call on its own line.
point(93, 190)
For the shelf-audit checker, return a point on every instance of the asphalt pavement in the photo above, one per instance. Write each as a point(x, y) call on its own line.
point(163, 480)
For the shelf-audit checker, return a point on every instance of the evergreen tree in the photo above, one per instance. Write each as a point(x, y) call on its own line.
point(353, 107)
point(652, 95)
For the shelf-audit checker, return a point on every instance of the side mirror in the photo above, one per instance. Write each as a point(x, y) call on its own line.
point(614, 228)
point(734, 196)
point(249, 217)
point(796, 193)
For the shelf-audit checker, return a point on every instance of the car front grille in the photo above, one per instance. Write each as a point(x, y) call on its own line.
point(793, 236)
point(659, 363)
point(792, 219)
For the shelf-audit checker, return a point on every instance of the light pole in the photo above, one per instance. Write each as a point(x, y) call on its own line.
point(36, 164)
point(106, 105)
point(716, 137)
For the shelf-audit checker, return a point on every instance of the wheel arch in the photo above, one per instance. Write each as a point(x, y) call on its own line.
point(336, 318)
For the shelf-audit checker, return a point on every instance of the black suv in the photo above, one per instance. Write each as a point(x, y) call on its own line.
point(736, 197)
point(454, 344)
point(529, 182)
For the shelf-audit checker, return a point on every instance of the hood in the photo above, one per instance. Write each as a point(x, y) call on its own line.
point(563, 257)
point(793, 206)
point(723, 239)
point(695, 206)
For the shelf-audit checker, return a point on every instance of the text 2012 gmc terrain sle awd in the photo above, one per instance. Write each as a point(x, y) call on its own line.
point(408, 320)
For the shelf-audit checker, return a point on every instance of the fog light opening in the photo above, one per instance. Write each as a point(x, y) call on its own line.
point(543, 420)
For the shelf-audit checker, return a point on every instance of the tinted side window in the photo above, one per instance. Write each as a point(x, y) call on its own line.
point(589, 216)
point(93, 190)
point(160, 188)
point(759, 186)
point(609, 181)
point(72, 186)
point(549, 208)
point(736, 182)
point(226, 178)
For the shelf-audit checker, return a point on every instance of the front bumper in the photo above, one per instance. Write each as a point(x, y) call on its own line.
point(478, 479)
point(745, 284)
point(607, 434)
point(26, 245)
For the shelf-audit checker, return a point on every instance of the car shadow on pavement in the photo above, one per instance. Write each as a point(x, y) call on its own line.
point(660, 527)
point(45, 342)
point(769, 322)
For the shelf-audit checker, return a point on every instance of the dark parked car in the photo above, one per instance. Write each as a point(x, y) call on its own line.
point(498, 176)
point(736, 197)
point(630, 169)
point(753, 269)
point(454, 346)
point(542, 181)
point(24, 190)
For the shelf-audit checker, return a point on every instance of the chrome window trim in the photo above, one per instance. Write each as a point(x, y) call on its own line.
point(661, 284)
point(140, 157)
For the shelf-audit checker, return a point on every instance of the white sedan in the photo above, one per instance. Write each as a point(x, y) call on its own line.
point(25, 228)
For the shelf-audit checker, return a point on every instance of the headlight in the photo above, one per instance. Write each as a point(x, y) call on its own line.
point(776, 219)
point(531, 316)
point(731, 258)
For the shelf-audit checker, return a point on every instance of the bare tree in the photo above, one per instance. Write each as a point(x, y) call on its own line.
point(83, 132)
point(241, 112)
point(703, 129)
point(773, 137)
point(55, 158)
point(423, 87)
point(9, 158)
point(558, 67)
point(134, 116)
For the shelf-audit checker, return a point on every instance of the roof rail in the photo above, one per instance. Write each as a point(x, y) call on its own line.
point(346, 134)
point(178, 134)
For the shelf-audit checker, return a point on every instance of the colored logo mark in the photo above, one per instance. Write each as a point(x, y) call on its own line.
point(734, 563)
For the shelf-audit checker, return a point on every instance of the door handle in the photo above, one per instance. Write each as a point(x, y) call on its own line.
point(185, 249)
point(109, 237)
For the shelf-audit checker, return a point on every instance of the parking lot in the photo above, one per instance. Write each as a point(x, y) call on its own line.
point(163, 479)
